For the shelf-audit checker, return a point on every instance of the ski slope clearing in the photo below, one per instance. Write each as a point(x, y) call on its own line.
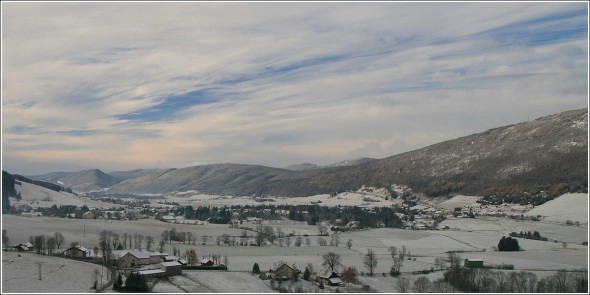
point(573, 207)
point(21, 274)
point(459, 201)
point(38, 196)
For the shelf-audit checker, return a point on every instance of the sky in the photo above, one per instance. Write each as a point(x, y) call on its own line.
point(120, 86)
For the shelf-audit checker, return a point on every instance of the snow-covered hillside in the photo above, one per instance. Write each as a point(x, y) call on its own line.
point(38, 196)
point(573, 207)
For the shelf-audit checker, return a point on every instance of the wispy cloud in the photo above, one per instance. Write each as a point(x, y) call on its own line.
point(127, 85)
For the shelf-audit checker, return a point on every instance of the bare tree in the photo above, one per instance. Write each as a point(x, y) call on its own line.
point(280, 241)
point(454, 259)
point(189, 236)
point(421, 284)
point(225, 260)
point(149, 240)
point(370, 261)
point(124, 237)
point(204, 239)
point(393, 251)
point(331, 260)
point(307, 241)
point(288, 241)
point(5, 239)
point(51, 244)
point(349, 243)
point(269, 233)
point(298, 241)
point(115, 240)
point(439, 262)
point(139, 242)
point(165, 235)
point(95, 275)
point(398, 262)
point(403, 285)
point(403, 251)
point(162, 243)
point(59, 240)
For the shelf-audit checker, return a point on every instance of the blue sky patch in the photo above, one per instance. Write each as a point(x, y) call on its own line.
point(171, 106)
point(549, 29)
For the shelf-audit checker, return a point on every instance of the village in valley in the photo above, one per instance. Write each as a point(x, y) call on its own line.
point(391, 241)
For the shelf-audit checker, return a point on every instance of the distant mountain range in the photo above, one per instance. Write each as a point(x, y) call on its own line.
point(549, 153)
point(351, 162)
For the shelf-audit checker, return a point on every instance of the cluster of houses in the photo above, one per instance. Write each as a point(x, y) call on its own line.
point(285, 272)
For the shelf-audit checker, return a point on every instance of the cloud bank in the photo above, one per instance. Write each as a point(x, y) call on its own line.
point(125, 85)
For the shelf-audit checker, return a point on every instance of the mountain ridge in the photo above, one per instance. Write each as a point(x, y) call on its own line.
point(547, 153)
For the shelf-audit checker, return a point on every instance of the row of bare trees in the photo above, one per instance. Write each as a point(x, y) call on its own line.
point(50, 244)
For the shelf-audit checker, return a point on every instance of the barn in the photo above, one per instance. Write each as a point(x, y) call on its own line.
point(171, 268)
point(473, 262)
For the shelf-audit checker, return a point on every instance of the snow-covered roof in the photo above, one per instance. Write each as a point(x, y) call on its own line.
point(151, 271)
point(206, 260)
point(474, 259)
point(170, 257)
point(335, 281)
point(79, 247)
point(170, 263)
point(183, 261)
point(328, 274)
point(117, 254)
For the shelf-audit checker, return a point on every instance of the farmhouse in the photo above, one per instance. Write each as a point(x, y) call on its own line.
point(24, 246)
point(76, 252)
point(329, 278)
point(88, 215)
point(126, 258)
point(283, 272)
point(473, 262)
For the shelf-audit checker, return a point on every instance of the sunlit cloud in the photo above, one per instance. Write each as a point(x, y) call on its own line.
point(126, 85)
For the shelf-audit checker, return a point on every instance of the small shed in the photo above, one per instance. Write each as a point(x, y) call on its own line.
point(171, 268)
point(169, 258)
point(473, 262)
point(329, 278)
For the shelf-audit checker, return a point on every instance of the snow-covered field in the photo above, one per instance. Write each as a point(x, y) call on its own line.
point(473, 237)
point(573, 207)
point(58, 275)
point(38, 196)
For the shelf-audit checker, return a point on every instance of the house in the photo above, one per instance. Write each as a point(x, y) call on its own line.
point(24, 246)
point(206, 262)
point(329, 278)
point(134, 258)
point(88, 215)
point(168, 258)
point(76, 252)
point(171, 268)
point(183, 262)
point(473, 262)
point(283, 272)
